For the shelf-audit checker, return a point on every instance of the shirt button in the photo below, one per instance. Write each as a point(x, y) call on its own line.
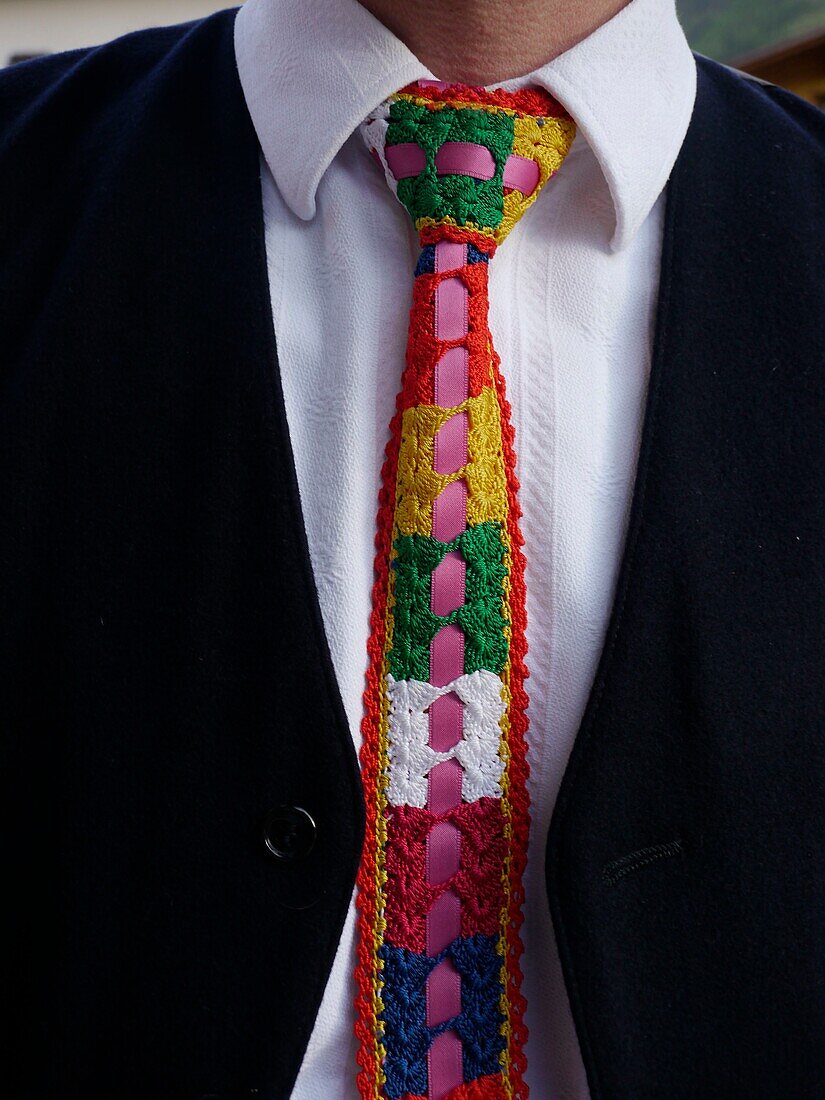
point(289, 832)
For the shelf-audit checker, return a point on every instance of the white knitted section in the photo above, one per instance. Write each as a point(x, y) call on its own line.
point(411, 758)
point(374, 133)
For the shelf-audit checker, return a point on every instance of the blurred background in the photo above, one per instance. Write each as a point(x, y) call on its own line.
point(782, 41)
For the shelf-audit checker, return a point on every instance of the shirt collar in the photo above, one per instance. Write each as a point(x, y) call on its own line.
point(311, 70)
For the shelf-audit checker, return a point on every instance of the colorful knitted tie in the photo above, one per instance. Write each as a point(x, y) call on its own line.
point(440, 1012)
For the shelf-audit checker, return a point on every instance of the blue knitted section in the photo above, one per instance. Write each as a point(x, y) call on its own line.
point(426, 261)
point(480, 1022)
point(407, 1037)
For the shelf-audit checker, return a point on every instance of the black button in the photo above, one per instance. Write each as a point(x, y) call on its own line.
point(289, 832)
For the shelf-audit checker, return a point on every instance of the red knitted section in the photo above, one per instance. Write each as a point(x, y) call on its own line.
point(432, 234)
point(484, 1088)
point(526, 101)
point(367, 976)
point(424, 350)
point(518, 768)
point(477, 884)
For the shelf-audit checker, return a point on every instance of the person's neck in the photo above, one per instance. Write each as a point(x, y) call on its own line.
point(486, 41)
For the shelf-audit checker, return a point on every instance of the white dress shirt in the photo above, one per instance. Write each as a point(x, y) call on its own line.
point(572, 304)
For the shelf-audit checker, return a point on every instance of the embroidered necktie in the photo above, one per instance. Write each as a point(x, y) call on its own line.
point(440, 1011)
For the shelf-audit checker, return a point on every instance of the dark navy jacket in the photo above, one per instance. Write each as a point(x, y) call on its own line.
point(164, 677)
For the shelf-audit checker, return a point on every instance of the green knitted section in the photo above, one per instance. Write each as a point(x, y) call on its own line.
point(458, 197)
point(481, 618)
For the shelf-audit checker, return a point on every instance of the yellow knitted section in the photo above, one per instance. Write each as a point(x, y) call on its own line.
point(484, 230)
point(418, 484)
point(438, 105)
point(547, 145)
point(507, 813)
point(381, 837)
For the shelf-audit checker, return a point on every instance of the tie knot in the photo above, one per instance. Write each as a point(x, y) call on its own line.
point(467, 162)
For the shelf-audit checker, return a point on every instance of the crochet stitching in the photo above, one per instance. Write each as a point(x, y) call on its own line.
point(481, 616)
point(477, 891)
point(412, 759)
